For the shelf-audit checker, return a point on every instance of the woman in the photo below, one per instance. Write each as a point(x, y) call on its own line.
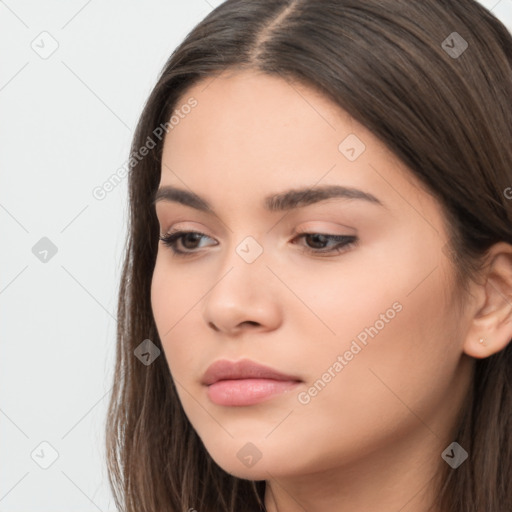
point(316, 302)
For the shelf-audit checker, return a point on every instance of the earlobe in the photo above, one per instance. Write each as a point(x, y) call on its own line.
point(491, 326)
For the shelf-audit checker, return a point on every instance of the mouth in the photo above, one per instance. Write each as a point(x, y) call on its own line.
point(245, 383)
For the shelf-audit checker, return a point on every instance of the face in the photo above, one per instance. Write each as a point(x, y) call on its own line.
point(347, 291)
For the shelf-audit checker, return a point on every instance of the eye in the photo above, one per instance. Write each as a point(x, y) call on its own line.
point(188, 239)
point(317, 243)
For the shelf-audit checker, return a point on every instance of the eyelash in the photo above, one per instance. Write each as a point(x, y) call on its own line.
point(345, 242)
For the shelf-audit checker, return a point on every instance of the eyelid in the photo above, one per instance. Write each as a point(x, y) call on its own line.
point(170, 232)
point(327, 228)
point(307, 227)
point(187, 226)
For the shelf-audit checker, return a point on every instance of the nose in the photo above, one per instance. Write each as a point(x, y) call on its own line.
point(244, 297)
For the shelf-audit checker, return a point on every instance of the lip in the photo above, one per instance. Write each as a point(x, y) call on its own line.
point(243, 369)
point(245, 382)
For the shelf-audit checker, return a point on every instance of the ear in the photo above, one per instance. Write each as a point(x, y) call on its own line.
point(491, 319)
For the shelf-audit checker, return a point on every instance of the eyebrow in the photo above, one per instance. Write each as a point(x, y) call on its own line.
point(288, 200)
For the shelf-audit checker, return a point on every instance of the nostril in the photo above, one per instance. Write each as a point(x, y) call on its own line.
point(213, 326)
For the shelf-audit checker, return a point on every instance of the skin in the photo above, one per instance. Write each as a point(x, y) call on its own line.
point(372, 438)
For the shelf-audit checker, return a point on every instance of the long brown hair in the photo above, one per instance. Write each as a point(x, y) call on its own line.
point(442, 102)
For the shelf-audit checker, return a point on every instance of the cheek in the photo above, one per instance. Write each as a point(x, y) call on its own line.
point(395, 368)
point(163, 299)
point(390, 322)
point(175, 290)
point(174, 295)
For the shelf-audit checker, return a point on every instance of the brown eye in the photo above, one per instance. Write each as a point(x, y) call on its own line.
point(188, 239)
point(317, 243)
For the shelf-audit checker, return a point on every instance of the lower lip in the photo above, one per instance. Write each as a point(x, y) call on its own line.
point(247, 391)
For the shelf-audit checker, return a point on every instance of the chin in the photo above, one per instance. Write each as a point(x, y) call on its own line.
point(244, 460)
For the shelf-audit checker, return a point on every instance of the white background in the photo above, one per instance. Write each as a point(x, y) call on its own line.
point(66, 127)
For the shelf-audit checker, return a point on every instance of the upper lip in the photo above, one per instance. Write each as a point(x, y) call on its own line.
point(243, 369)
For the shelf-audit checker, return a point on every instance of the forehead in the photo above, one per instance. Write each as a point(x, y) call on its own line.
point(249, 109)
point(254, 133)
